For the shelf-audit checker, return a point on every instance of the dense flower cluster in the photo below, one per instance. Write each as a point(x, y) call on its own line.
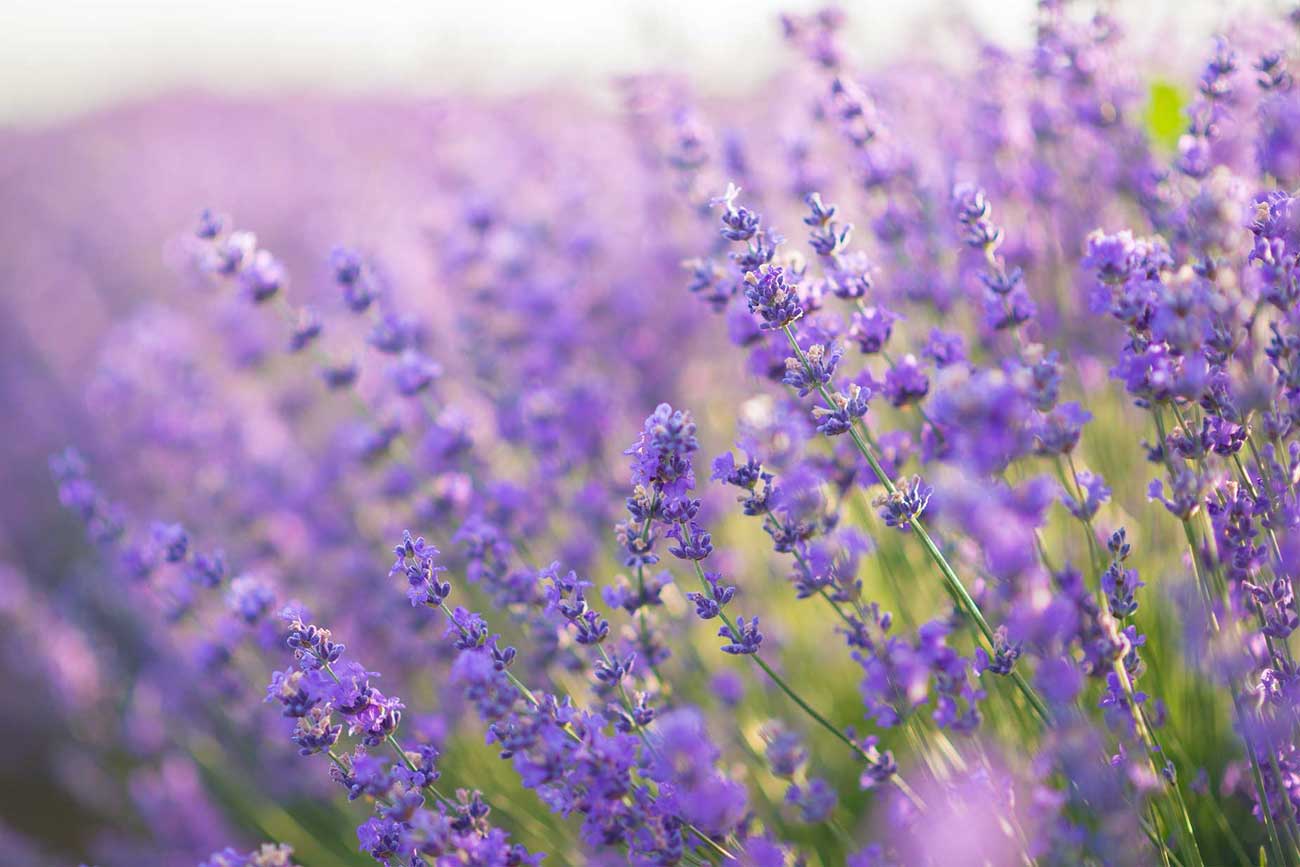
point(994, 562)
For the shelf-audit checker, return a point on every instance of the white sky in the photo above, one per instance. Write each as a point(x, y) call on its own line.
point(62, 57)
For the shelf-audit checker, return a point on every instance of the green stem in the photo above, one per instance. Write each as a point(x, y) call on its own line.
point(786, 688)
point(950, 576)
point(568, 730)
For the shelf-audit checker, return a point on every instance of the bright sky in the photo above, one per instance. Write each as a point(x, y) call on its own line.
point(62, 57)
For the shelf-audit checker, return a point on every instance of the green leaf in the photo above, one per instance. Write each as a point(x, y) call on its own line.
point(1165, 118)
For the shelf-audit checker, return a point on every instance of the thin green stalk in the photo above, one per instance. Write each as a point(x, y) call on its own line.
point(1261, 793)
point(950, 576)
point(791, 694)
point(532, 699)
point(1282, 854)
point(1145, 732)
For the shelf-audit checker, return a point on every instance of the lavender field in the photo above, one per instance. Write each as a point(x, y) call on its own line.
point(894, 464)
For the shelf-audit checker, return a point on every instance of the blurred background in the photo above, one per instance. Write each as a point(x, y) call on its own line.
point(60, 60)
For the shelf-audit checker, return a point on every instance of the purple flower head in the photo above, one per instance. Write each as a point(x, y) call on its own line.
point(1121, 586)
point(986, 417)
point(771, 298)
point(418, 561)
point(817, 372)
point(694, 542)
point(262, 277)
point(391, 333)
point(1006, 286)
point(377, 719)
point(313, 646)
point(266, 855)
point(880, 767)
point(743, 639)
point(316, 732)
point(1215, 82)
point(1185, 497)
point(944, 348)
point(567, 595)
point(905, 382)
point(972, 209)
point(1058, 431)
point(1273, 74)
point(757, 256)
point(728, 687)
point(206, 570)
point(746, 475)
point(849, 406)
point(287, 687)
point(210, 225)
point(828, 238)
point(230, 254)
point(1010, 310)
point(871, 328)
point(815, 800)
point(1004, 656)
point(738, 224)
point(414, 372)
point(786, 753)
point(306, 329)
point(820, 213)
point(709, 604)
point(349, 690)
point(1094, 493)
point(685, 762)
point(340, 375)
point(1110, 256)
point(171, 540)
point(906, 502)
point(353, 277)
point(661, 457)
point(250, 598)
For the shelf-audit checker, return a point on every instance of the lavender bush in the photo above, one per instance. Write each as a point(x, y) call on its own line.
point(411, 510)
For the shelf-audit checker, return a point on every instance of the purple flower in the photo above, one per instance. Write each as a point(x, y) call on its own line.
point(871, 328)
point(172, 541)
point(1094, 493)
point(743, 639)
point(786, 753)
point(905, 383)
point(738, 224)
point(262, 277)
point(684, 760)
point(354, 278)
point(306, 329)
point(1004, 656)
point(210, 225)
point(771, 298)
point(266, 855)
point(250, 599)
point(567, 595)
point(849, 406)
point(1110, 256)
point(906, 503)
point(708, 605)
point(817, 372)
point(1058, 431)
point(413, 373)
point(418, 561)
point(973, 211)
point(815, 800)
point(1121, 586)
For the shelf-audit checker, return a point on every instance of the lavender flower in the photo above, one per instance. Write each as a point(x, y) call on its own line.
point(1122, 286)
point(899, 507)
